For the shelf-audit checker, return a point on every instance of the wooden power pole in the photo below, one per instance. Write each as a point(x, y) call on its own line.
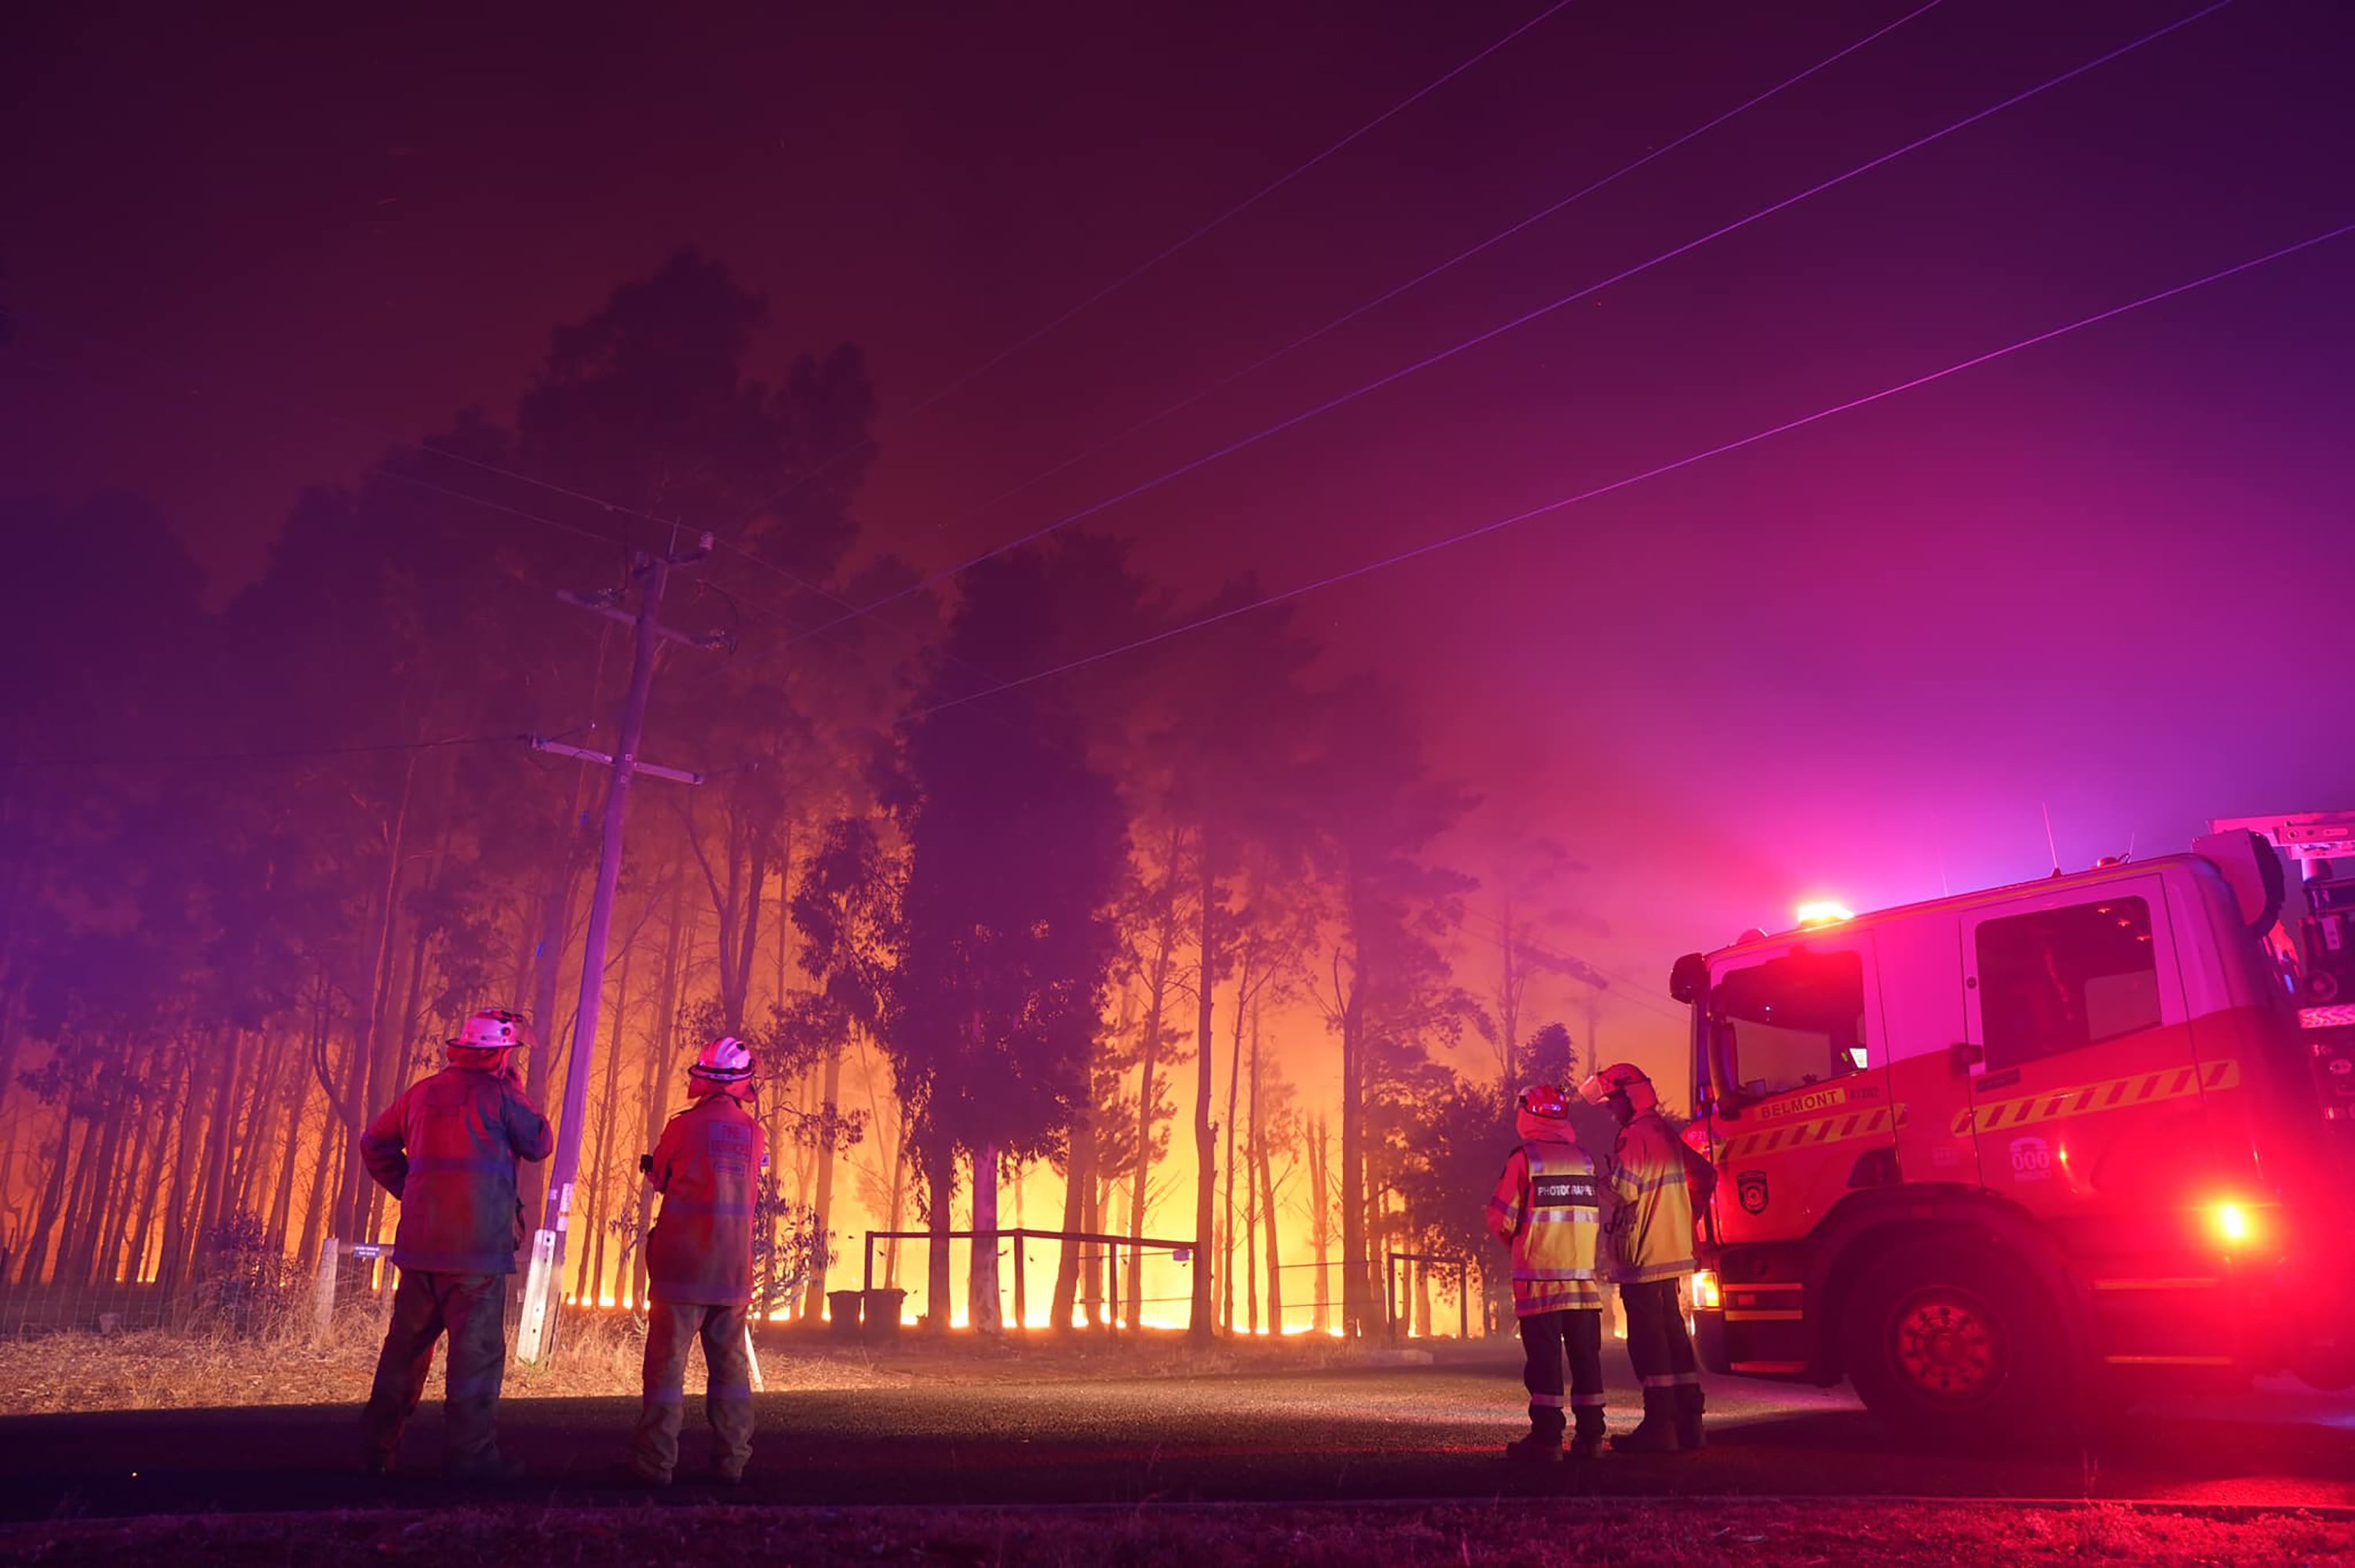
point(543, 1283)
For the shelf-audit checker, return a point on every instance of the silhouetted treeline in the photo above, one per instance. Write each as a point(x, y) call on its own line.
point(254, 863)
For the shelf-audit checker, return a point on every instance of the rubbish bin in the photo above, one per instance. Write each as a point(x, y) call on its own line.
point(883, 1313)
point(842, 1313)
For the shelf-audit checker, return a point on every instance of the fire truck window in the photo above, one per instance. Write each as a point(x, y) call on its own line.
point(1794, 1021)
point(2061, 979)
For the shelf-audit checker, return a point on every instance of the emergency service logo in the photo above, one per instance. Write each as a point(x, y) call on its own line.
point(1751, 1186)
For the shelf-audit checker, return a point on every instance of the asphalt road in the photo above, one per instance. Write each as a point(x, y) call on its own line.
point(1367, 1432)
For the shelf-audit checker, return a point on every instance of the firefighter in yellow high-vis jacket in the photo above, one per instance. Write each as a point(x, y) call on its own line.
point(1656, 1179)
point(1546, 1208)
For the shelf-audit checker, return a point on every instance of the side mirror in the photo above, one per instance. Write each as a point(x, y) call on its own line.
point(1688, 979)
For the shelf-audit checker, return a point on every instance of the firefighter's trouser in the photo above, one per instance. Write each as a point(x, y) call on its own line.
point(672, 1327)
point(472, 1309)
point(1660, 1347)
point(1546, 1338)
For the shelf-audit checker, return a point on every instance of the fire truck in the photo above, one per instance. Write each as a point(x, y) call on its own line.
point(2002, 1159)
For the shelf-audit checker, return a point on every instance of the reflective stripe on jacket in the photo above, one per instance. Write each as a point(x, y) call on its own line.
point(1652, 1237)
point(1548, 1207)
point(447, 1150)
point(707, 1167)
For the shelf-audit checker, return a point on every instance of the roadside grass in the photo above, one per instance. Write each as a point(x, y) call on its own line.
point(162, 1369)
point(1718, 1533)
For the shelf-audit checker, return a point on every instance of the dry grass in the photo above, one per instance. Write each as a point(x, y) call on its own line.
point(1712, 1534)
point(171, 1370)
point(163, 1370)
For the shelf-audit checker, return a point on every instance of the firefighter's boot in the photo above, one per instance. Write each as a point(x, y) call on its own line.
point(1689, 1405)
point(1586, 1443)
point(1537, 1449)
point(1657, 1434)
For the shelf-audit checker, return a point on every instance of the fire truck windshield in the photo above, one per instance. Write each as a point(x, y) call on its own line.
point(1791, 1021)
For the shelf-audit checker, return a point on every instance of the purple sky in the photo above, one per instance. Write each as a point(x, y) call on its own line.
point(2099, 575)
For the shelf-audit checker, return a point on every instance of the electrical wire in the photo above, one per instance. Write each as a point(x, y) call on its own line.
point(328, 415)
point(181, 758)
point(1491, 242)
point(1659, 471)
point(395, 474)
point(1367, 387)
point(1149, 263)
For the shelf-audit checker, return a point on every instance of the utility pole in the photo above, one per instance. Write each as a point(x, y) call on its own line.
point(543, 1284)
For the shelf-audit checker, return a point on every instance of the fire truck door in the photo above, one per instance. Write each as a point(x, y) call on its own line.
point(1804, 1104)
point(2084, 1074)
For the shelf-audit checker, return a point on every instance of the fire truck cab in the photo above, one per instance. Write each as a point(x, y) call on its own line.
point(1996, 1157)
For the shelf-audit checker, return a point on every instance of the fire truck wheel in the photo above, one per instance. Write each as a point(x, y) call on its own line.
point(1951, 1342)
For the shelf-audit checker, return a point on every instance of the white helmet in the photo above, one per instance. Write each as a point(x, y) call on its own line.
point(726, 1060)
point(1622, 1078)
point(492, 1029)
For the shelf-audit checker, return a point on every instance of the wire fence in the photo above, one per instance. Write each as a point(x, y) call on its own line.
point(1107, 1284)
point(235, 1291)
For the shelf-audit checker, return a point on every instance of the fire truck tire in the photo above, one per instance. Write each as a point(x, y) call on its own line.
point(1954, 1341)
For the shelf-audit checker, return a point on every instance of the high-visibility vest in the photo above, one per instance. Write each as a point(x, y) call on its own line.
point(1548, 1206)
point(1652, 1234)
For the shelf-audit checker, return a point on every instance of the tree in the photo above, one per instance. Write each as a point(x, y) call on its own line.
point(1388, 988)
point(1235, 788)
point(1016, 848)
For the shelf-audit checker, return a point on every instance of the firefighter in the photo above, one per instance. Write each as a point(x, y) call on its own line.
point(446, 1151)
point(1546, 1208)
point(699, 1265)
point(1658, 1183)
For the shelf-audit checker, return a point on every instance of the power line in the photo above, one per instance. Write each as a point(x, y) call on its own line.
point(392, 473)
point(1493, 240)
point(1467, 345)
point(280, 754)
point(328, 415)
point(1156, 260)
point(1659, 471)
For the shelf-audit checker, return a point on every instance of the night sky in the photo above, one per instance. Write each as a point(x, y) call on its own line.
point(2105, 577)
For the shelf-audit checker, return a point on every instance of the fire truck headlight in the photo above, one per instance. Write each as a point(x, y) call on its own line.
point(2231, 1223)
point(1705, 1296)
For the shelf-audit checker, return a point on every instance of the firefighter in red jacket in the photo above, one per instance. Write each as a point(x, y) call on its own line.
point(1660, 1184)
point(446, 1151)
point(707, 1166)
point(1547, 1209)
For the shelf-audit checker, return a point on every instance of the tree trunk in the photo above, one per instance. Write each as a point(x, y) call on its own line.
point(1320, 1218)
point(37, 1249)
point(1157, 998)
point(601, 1194)
point(940, 1189)
point(1356, 1289)
point(1078, 1183)
point(1234, 1088)
point(661, 1061)
point(1206, 1145)
point(829, 1101)
point(281, 1200)
point(982, 1309)
point(171, 1269)
point(548, 974)
point(222, 1133)
point(369, 1055)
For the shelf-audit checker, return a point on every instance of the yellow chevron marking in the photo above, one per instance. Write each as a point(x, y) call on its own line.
point(2090, 1099)
point(1836, 1129)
